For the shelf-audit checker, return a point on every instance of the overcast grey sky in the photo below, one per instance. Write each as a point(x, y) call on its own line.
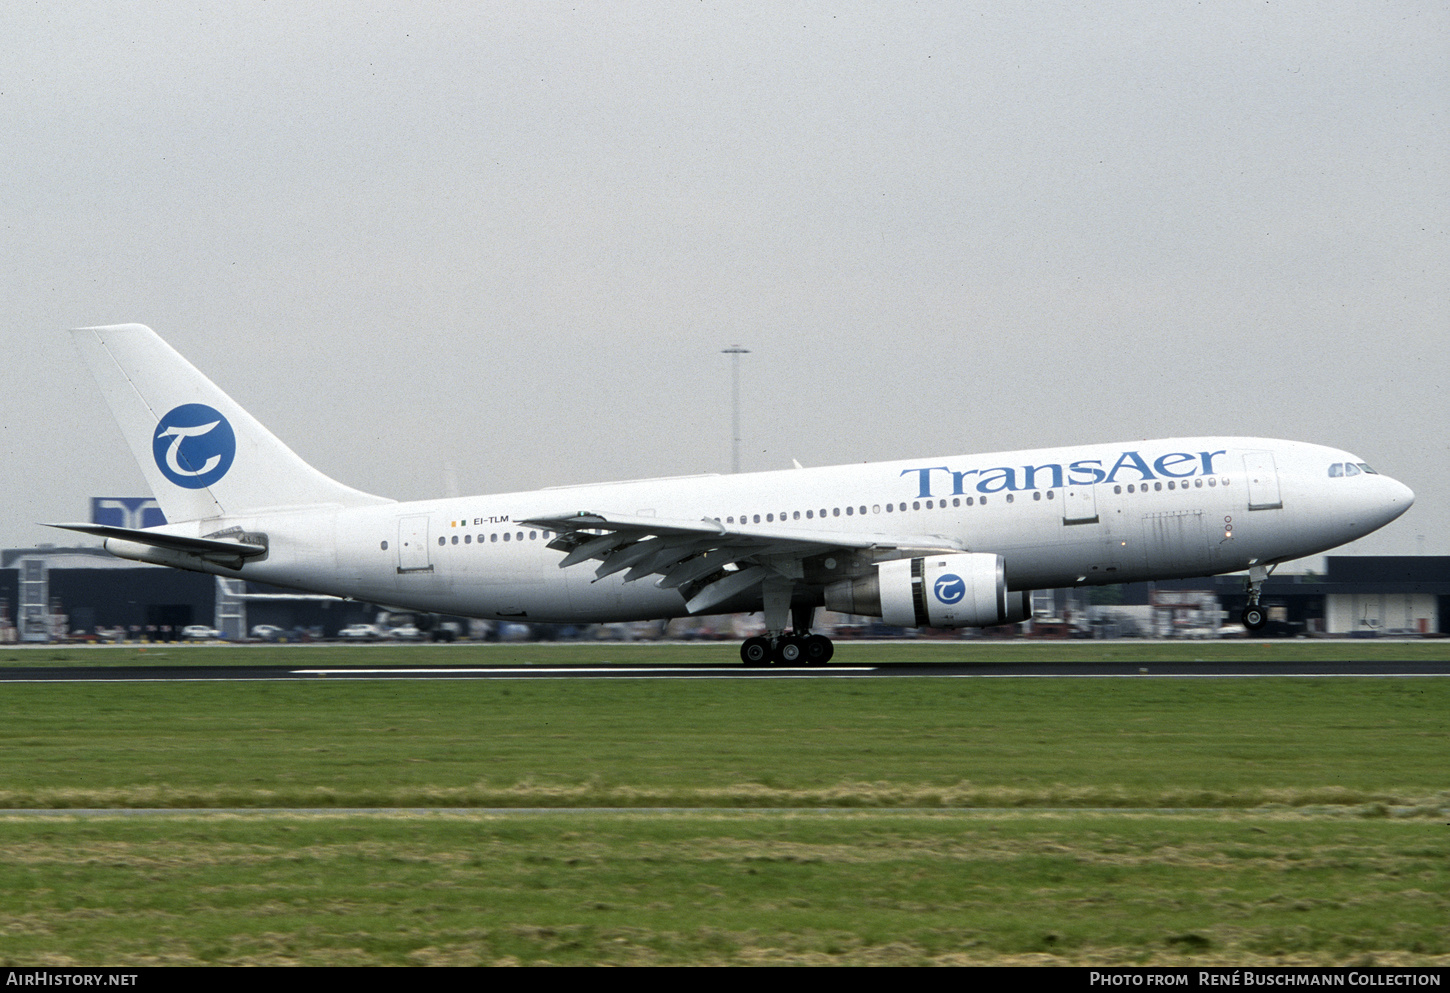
point(499, 246)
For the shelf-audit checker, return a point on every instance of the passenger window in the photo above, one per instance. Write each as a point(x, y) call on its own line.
point(876, 508)
point(1037, 494)
point(969, 501)
point(505, 536)
point(916, 505)
point(810, 514)
point(442, 540)
point(1119, 489)
point(757, 518)
point(1051, 494)
point(848, 511)
point(770, 518)
point(1157, 486)
point(468, 539)
point(795, 515)
point(835, 511)
point(1009, 497)
point(493, 537)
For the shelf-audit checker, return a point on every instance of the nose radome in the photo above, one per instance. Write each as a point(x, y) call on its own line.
point(1396, 498)
point(1403, 494)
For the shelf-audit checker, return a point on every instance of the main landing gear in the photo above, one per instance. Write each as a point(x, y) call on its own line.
point(1254, 616)
point(791, 649)
point(800, 647)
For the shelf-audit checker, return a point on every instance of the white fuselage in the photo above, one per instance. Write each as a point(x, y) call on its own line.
point(1060, 517)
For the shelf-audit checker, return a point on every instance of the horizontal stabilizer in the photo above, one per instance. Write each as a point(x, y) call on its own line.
point(173, 542)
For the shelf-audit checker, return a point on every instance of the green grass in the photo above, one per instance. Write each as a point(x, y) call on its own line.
point(716, 653)
point(869, 742)
point(726, 888)
point(929, 821)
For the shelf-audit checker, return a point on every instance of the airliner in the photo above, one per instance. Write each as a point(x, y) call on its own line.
point(946, 542)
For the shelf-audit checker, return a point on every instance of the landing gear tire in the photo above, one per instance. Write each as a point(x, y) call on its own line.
point(789, 651)
point(755, 651)
point(818, 650)
point(1254, 618)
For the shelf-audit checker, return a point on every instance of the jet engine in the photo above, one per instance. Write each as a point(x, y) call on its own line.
point(966, 589)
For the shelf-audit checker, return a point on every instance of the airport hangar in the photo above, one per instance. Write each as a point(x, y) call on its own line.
point(49, 591)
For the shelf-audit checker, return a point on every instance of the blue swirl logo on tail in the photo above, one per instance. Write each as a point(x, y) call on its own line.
point(949, 588)
point(194, 445)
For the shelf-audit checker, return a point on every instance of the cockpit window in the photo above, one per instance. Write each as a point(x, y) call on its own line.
point(1336, 470)
point(1350, 469)
point(1368, 469)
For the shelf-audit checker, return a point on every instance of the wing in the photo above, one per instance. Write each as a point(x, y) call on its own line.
point(711, 562)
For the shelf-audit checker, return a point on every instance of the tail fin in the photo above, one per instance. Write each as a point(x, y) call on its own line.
point(203, 455)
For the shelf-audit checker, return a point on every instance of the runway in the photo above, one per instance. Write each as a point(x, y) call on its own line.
point(897, 670)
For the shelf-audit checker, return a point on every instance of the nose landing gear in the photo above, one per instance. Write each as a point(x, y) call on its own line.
point(1254, 616)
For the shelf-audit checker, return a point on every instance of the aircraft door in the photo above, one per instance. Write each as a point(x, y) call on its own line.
point(1079, 504)
point(413, 544)
point(1263, 479)
point(1178, 542)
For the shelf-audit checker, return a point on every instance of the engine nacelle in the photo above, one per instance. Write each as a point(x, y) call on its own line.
point(964, 589)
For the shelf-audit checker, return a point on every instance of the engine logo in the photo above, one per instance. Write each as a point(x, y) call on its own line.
point(949, 588)
point(194, 445)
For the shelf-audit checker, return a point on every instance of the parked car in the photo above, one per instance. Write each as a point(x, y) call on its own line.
point(361, 632)
point(199, 632)
point(267, 632)
point(447, 631)
point(408, 632)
